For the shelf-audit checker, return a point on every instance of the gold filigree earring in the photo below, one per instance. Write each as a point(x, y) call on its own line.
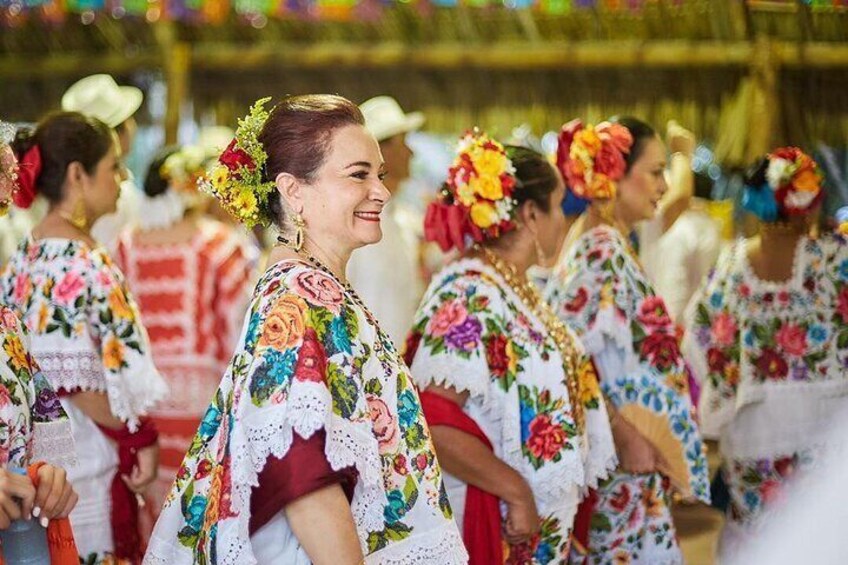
point(78, 218)
point(299, 224)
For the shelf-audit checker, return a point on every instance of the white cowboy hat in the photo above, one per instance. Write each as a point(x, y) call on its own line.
point(100, 96)
point(384, 118)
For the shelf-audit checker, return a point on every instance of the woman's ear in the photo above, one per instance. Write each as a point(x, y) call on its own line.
point(291, 191)
point(528, 214)
point(74, 175)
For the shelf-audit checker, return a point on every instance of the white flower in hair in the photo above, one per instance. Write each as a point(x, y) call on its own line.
point(800, 199)
point(779, 172)
point(7, 133)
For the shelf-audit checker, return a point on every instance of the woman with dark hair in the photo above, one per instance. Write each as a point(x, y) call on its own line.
point(192, 277)
point(767, 336)
point(86, 333)
point(600, 290)
point(513, 402)
point(314, 449)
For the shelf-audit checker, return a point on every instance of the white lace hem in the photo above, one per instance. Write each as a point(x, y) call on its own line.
point(442, 546)
point(53, 443)
point(132, 392)
point(270, 432)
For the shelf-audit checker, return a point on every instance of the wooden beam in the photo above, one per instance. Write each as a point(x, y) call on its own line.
point(506, 56)
point(77, 64)
point(500, 56)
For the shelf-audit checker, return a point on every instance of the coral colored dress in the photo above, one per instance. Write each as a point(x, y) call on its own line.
point(192, 298)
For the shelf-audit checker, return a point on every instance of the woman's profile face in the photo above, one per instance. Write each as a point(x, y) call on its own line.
point(103, 186)
point(642, 188)
point(344, 201)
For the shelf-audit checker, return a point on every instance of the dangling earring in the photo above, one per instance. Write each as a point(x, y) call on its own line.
point(540, 253)
point(606, 208)
point(78, 218)
point(299, 224)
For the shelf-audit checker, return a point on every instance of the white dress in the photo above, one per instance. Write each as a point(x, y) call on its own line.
point(86, 336)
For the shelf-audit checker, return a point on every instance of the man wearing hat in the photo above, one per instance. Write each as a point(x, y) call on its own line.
point(100, 96)
point(386, 275)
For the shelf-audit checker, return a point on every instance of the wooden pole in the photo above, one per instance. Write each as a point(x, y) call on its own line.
point(177, 76)
point(765, 105)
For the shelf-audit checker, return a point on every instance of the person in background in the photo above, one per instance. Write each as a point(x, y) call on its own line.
point(35, 434)
point(767, 336)
point(85, 328)
point(192, 277)
point(601, 291)
point(101, 97)
point(512, 399)
point(394, 259)
point(689, 250)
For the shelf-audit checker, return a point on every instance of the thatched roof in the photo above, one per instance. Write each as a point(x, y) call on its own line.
point(465, 65)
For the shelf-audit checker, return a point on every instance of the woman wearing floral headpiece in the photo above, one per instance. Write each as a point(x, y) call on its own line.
point(517, 415)
point(767, 335)
point(86, 335)
point(192, 277)
point(600, 290)
point(314, 448)
point(35, 434)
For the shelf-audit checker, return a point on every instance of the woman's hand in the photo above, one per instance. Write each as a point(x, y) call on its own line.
point(16, 497)
point(522, 516)
point(145, 471)
point(635, 453)
point(54, 497)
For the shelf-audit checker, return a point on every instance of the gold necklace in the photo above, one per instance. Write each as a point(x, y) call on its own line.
point(562, 338)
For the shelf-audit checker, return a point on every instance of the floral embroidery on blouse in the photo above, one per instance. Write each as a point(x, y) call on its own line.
point(310, 359)
point(601, 292)
point(749, 333)
point(85, 328)
point(28, 405)
point(757, 485)
point(472, 333)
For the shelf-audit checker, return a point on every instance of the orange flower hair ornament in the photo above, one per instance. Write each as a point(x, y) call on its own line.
point(592, 158)
point(475, 203)
point(788, 183)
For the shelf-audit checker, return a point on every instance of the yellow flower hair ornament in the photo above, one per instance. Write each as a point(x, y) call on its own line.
point(236, 180)
point(475, 204)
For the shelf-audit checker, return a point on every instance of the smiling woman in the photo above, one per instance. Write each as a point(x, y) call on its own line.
point(316, 421)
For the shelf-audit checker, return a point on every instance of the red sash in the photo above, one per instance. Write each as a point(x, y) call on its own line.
point(481, 531)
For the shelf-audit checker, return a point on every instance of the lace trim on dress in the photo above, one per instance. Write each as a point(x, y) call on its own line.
point(53, 443)
point(442, 546)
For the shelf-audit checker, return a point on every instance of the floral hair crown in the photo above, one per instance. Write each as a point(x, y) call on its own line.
point(236, 179)
point(592, 158)
point(184, 169)
point(475, 204)
point(792, 185)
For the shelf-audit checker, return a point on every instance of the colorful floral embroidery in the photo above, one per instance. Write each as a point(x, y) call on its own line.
point(757, 485)
point(84, 323)
point(632, 522)
point(307, 363)
point(26, 400)
point(774, 334)
point(472, 333)
point(600, 290)
point(548, 546)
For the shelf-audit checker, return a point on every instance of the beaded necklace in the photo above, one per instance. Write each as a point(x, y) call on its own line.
point(315, 262)
point(562, 338)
